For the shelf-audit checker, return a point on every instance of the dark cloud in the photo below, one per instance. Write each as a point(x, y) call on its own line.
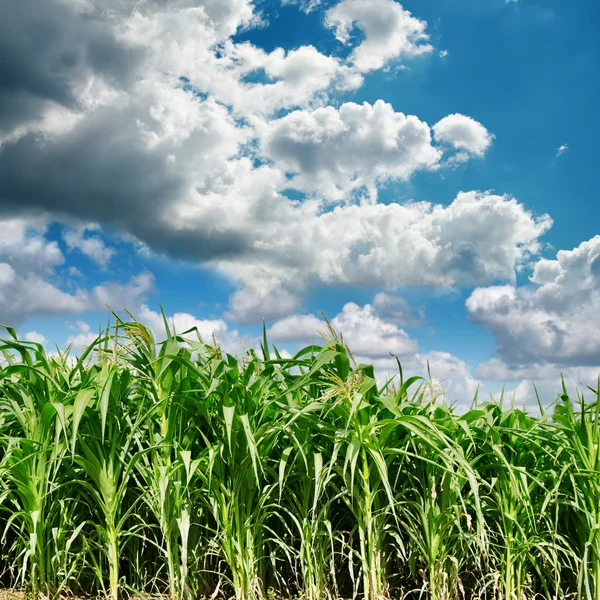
point(103, 174)
point(46, 49)
point(103, 169)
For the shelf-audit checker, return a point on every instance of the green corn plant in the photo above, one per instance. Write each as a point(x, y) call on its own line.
point(580, 445)
point(309, 493)
point(437, 514)
point(168, 471)
point(516, 459)
point(105, 422)
point(239, 481)
point(33, 409)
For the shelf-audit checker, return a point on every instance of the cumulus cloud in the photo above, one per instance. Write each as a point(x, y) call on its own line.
point(153, 120)
point(82, 337)
point(389, 31)
point(297, 328)
point(119, 296)
point(27, 263)
point(250, 305)
point(370, 335)
point(335, 151)
point(72, 54)
point(282, 79)
point(34, 336)
point(464, 134)
point(562, 149)
point(547, 321)
point(91, 246)
point(173, 134)
point(478, 237)
point(540, 380)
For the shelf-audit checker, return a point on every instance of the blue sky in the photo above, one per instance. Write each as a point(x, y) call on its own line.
point(265, 183)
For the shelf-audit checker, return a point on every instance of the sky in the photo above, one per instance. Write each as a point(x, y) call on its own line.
point(421, 172)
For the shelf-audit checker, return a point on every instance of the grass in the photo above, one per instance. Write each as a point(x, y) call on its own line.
point(175, 469)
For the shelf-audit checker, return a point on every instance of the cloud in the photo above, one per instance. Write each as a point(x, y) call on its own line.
point(306, 6)
point(478, 237)
point(33, 281)
point(91, 246)
point(398, 310)
point(297, 328)
point(83, 338)
point(463, 134)
point(547, 379)
point(34, 336)
point(249, 305)
point(168, 131)
point(547, 321)
point(390, 32)
point(363, 329)
point(72, 52)
point(27, 264)
point(176, 136)
point(336, 151)
point(118, 296)
point(369, 334)
point(562, 149)
point(283, 79)
point(115, 168)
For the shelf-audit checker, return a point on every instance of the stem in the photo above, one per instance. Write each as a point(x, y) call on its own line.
point(113, 565)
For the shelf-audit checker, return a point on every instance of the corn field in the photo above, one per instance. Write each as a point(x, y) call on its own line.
point(174, 469)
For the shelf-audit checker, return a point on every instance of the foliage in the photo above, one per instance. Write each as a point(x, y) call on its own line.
point(176, 469)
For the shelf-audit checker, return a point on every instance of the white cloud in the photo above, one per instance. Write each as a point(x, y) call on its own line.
point(369, 335)
point(297, 328)
point(446, 377)
point(75, 272)
point(477, 238)
point(545, 378)
point(336, 151)
point(118, 296)
point(165, 144)
point(464, 134)
point(373, 339)
point(34, 336)
point(286, 79)
point(31, 283)
point(562, 149)
point(249, 305)
point(306, 6)
point(27, 263)
point(91, 246)
point(548, 321)
point(390, 32)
